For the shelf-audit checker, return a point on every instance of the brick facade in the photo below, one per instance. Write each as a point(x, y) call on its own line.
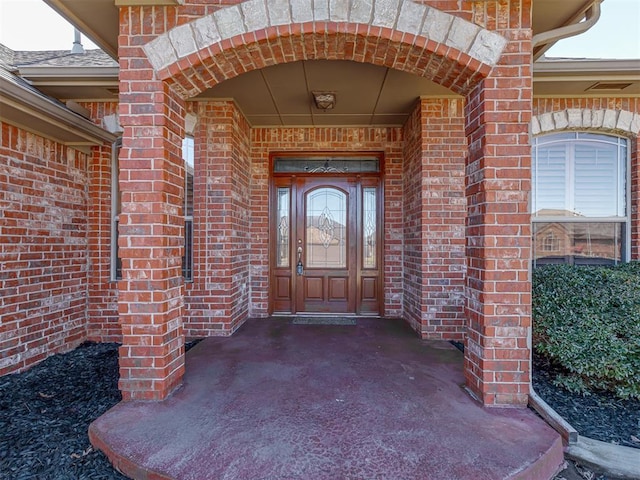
point(192, 55)
point(151, 292)
point(102, 292)
point(43, 225)
point(457, 232)
point(498, 308)
point(434, 219)
point(217, 302)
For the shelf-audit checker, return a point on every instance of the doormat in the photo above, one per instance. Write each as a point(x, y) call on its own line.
point(323, 321)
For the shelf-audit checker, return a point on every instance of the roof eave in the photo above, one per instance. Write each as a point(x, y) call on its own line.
point(35, 72)
point(54, 121)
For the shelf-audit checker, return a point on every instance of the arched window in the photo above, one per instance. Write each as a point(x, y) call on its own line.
point(579, 183)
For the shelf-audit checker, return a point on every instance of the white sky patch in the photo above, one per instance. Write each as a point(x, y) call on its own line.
point(33, 25)
point(615, 35)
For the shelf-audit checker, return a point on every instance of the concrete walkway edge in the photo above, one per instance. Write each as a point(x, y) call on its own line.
point(559, 424)
point(616, 460)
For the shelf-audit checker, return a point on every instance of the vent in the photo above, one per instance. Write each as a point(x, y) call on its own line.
point(609, 86)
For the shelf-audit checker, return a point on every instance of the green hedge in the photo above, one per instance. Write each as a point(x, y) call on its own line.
point(586, 322)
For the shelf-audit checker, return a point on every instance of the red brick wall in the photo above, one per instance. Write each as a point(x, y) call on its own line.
point(151, 236)
point(434, 213)
point(102, 308)
point(497, 114)
point(337, 139)
point(43, 240)
point(412, 214)
point(498, 184)
point(547, 105)
point(217, 302)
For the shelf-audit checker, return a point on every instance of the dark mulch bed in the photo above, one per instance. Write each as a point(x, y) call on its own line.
point(45, 413)
point(601, 416)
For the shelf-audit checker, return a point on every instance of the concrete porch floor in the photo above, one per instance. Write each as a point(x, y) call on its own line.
point(314, 402)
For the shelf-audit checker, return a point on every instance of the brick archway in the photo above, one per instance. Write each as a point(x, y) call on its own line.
point(491, 69)
point(254, 34)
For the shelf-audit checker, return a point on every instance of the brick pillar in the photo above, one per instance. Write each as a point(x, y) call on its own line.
point(498, 231)
point(102, 314)
point(434, 216)
point(150, 300)
point(218, 298)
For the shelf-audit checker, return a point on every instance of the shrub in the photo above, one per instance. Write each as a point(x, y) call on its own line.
point(586, 322)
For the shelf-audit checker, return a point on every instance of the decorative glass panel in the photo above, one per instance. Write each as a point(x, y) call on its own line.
point(333, 164)
point(326, 229)
point(369, 228)
point(283, 225)
point(188, 157)
point(579, 243)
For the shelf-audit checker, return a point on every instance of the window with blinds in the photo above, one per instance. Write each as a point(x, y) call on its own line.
point(580, 199)
point(116, 208)
point(188, 157)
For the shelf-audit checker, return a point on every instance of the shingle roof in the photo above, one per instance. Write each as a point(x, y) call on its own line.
point(6, 57)
point(63, 58)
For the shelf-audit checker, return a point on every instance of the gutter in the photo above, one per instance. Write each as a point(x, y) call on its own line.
point(83, 72)
point(546, 39)
point(60, 119)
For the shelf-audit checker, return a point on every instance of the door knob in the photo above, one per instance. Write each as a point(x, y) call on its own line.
point(299, 266)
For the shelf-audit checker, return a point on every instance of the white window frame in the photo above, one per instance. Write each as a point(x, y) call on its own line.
point(624, 183)
point(188, 155)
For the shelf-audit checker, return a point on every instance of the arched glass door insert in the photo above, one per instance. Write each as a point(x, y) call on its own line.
point(326, 228)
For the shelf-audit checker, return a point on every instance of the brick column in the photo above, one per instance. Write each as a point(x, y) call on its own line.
point(434, 216)
point(151, 292)
point(498, 232)
point(218, 298)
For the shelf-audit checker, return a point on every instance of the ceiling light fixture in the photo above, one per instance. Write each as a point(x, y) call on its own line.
point(324, 100)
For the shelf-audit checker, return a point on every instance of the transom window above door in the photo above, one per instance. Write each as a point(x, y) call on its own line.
point(334, 164)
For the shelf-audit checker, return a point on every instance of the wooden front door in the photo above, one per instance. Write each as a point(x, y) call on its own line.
point(325, 238)
point(325, 244)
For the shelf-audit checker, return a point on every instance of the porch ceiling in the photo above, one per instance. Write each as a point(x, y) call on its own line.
point(365, 94)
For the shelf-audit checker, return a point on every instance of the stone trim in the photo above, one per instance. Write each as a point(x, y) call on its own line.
point(403, 16)
point(111, 123)
point(608, 120)
point(190, 122)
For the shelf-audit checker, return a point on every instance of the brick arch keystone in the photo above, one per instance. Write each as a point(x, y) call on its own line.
point(254, 34)
point(608, 120)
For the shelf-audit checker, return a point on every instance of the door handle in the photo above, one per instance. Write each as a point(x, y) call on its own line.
point(299, 266)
